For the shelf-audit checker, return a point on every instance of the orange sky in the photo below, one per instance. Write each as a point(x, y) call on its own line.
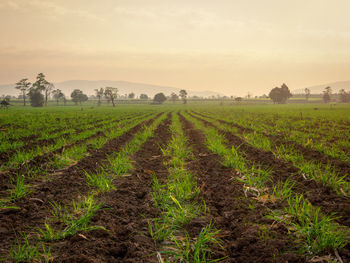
point(229, 46)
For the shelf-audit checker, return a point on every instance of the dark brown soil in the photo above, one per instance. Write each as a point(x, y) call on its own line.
point(343, 168)
point(246, 234)
point(128, 211)
point(64, 187)
point(30, 144)
point(41, 161)
point(316, 193)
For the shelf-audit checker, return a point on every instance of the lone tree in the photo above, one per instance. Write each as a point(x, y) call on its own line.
point(78, 96)
point(280, 95)
point(131, 95)
point(159, 98)
point(23, 85)
point(183, 95)
point(307, 93)
point(48, 89)
point(41, 84)
point(344, 96)
point(111, 94)
point(144, 97)
point(327, 94)
point(174, 97)
point(99, 95)
point(57, 95)
point(36, 98)
point(5, 103)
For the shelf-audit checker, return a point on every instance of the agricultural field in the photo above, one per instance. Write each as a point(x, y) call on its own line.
point(175, 183)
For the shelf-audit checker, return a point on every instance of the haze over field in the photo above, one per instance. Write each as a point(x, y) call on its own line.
point(230, 47)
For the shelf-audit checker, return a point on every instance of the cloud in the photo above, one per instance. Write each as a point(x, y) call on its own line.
point(48, 8)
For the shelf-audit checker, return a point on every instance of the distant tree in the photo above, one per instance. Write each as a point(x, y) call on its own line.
point(5, 103)
point(249, 95)
point(99, 95)
point(57, 95)
point(111, 94)
point(307, 93)
point(183, 95)
point(36, 98)
point(327, 94)
point(344, 96)
point(23, 85)
point(78, 96)
point(131, 95)
point(174, 97)
point(159, 98)
point(238, 99)
point(280, 95)
point(40, 82)
point(143, 96)
point(48, 89)
point(326, 97)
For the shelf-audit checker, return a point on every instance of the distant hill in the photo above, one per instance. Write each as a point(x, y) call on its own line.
point(124, 87)
point(336, 86)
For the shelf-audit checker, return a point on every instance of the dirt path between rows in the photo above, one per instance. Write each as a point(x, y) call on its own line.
point(246, 234)
point(343, 168)
point(129, 208)
point(64, 187)
point(318, 194)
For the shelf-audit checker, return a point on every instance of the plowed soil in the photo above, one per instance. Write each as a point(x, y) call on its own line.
point(240, 219)
point(316, 193)
point(127, 212)
point(64, 187)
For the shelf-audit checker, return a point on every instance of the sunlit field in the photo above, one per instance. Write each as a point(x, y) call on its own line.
point(175, 183)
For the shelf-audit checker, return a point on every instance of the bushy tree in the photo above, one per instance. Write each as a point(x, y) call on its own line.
point(280, 95)
point(111, 94)
point(159, 98)
point(131, 95)
point(174, 97)
point(42, 85)
point(36, 98)
point(57, 95)
point(344, 96)
point(183, 95)
point(78, 96)
point(40, 82)
point(23, 85)
point(5, 103)
point(143, 96)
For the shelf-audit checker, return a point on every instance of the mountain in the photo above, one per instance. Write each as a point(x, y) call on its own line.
point(124, 87)
point(336, 86)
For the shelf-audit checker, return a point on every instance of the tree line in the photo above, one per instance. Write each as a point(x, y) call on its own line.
point(40, 91)
point(282, 94)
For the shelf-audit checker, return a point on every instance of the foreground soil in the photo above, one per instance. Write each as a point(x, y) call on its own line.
point(63, 187)
point(125, 214)
point(247, 236)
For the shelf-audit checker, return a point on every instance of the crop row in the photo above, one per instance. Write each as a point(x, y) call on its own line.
point(178, 187)
point(330, 141)
point(60, 158)
point(66, 218)
point(319, 232)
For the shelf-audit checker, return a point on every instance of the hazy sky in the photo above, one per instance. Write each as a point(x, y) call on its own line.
point(230, 46)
